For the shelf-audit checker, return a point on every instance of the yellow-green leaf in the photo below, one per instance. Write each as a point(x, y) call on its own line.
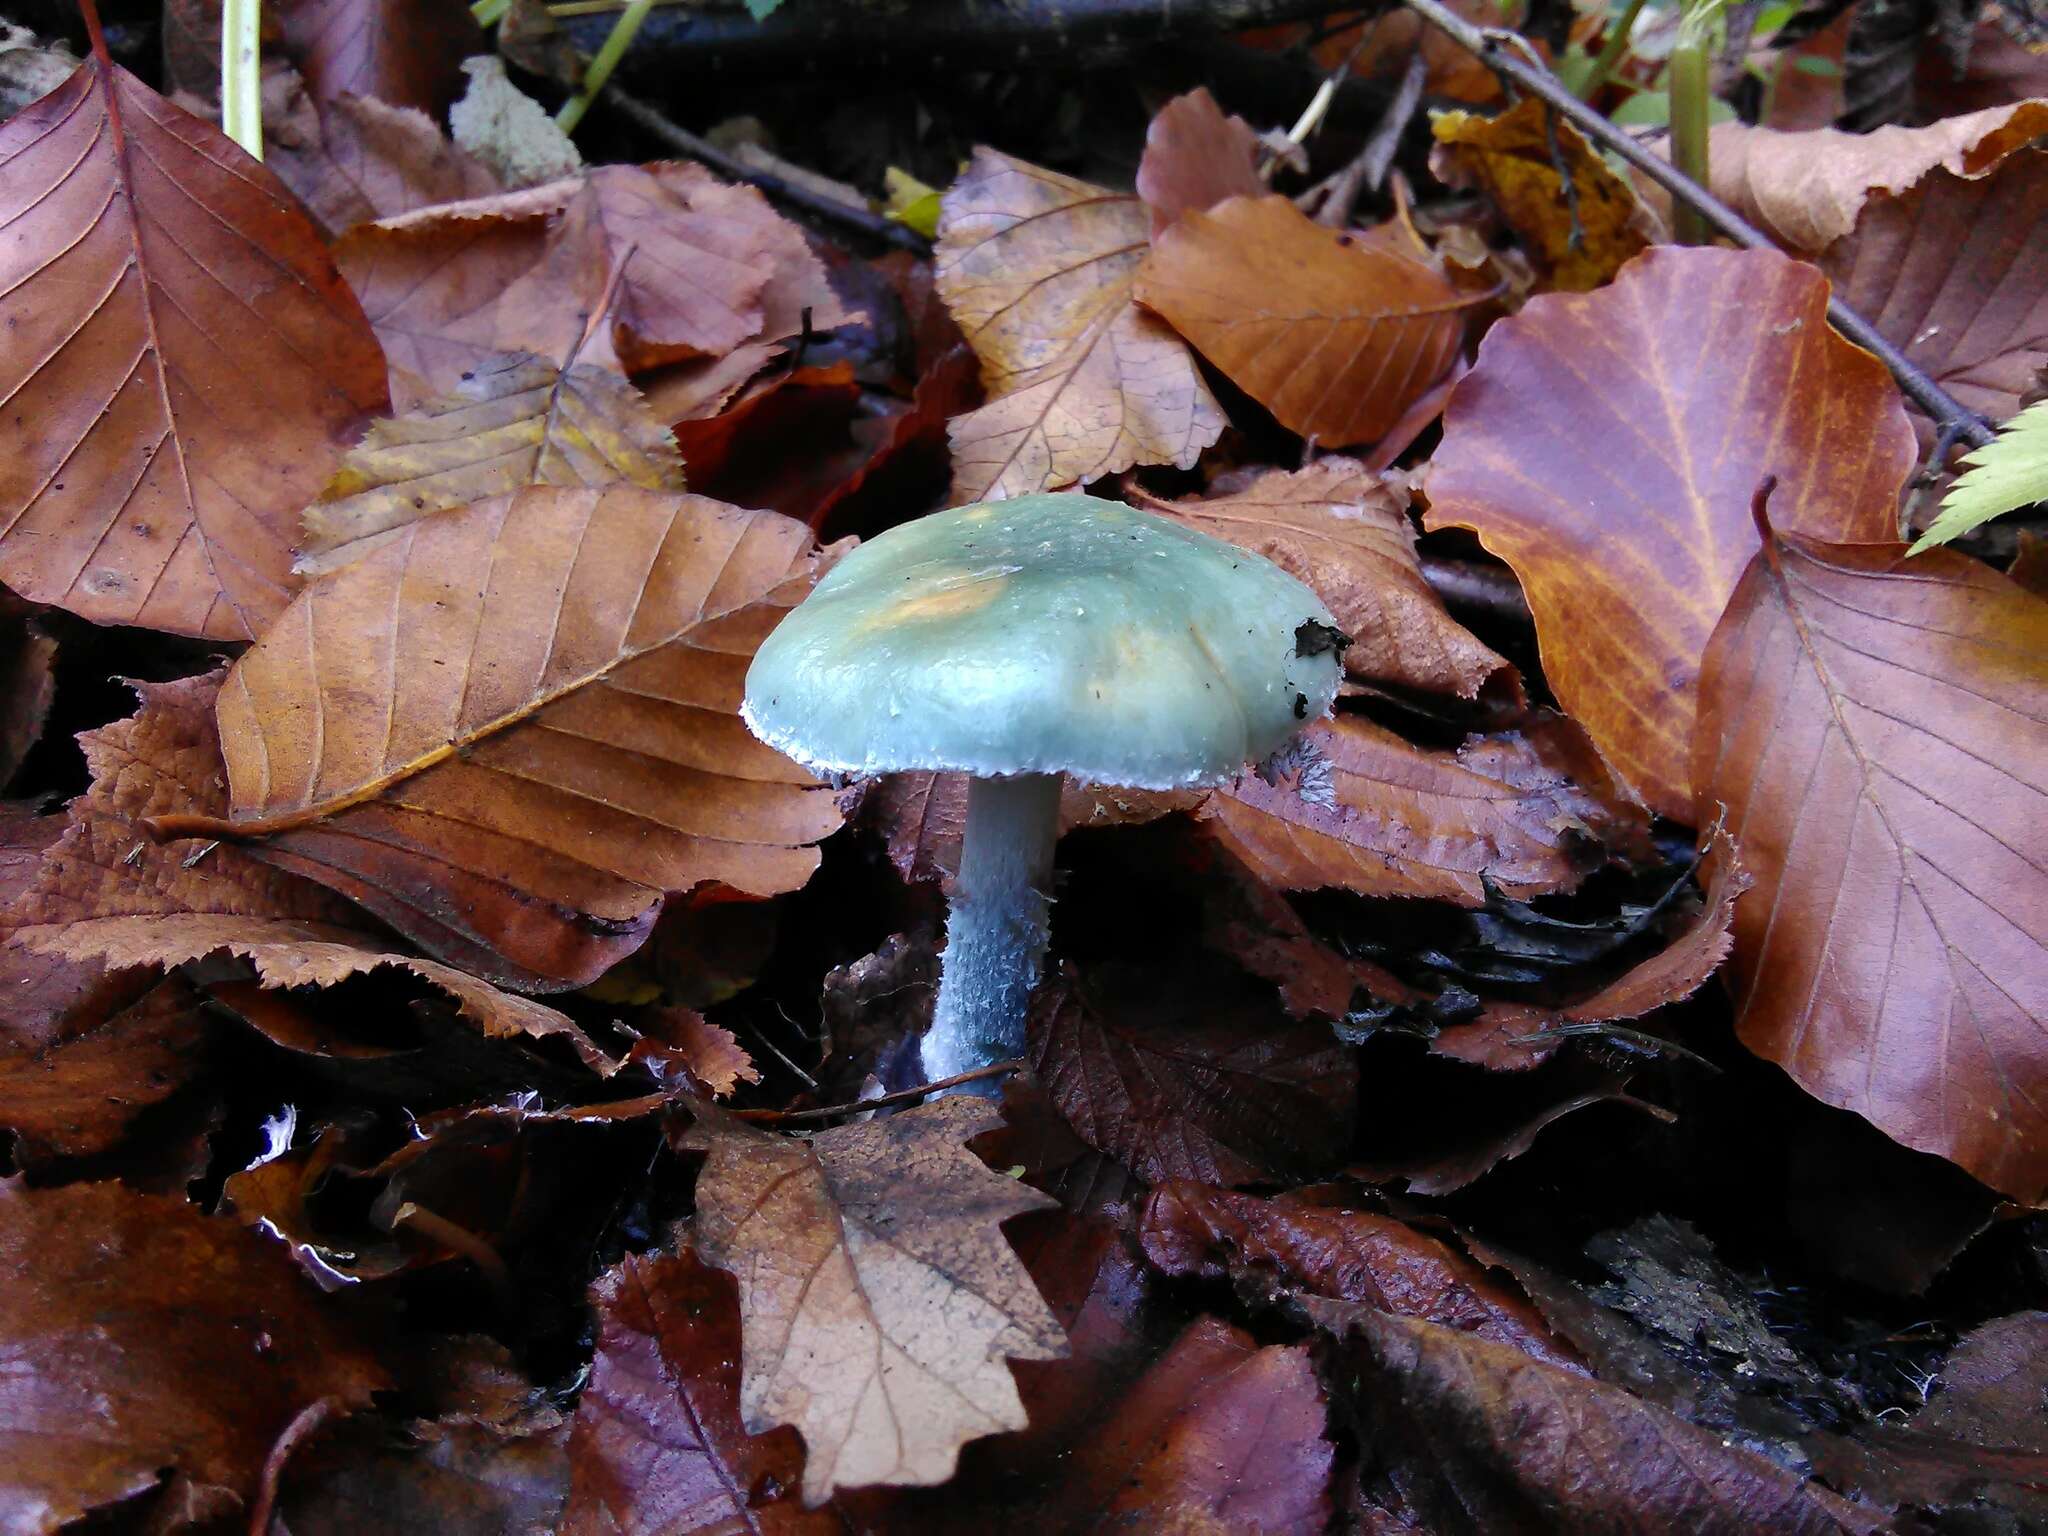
point(2009, 472)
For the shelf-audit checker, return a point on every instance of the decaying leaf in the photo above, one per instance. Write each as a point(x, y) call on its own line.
point(1311, 1241)
point(182, 370)
point(548, 696)
point(372, 160)
point(1877, 728)
point(1335, 335)
point(684, 1038)
point(1344, 531)
point(402, 53)
point(1037, 269)
point(1193, 1073)
point(1810, 189)
point(1195, 157)
point(515, 421)
point(1363, 809)
point(144, 1336)
point(43, 992)
point(1579, 236)
point(658, 1444)
point(1467, 1430)
point(878, 1299)
point(1606, 446)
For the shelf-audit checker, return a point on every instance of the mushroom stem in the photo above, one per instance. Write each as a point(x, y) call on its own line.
point(996, 927)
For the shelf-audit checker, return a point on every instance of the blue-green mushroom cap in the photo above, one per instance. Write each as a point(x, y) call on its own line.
point(1046, 634)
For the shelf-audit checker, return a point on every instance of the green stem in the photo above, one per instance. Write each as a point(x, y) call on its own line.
point(489, 13)
point(1690, 93)
point(241, 79)
point(1612, 51)
point(624, 30)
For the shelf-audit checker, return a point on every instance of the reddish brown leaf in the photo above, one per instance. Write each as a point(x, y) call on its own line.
point(1606, 445)
point(1306, 1240)
point(27, 683)
point(144, 1336)
point(742, 455)
point(1479, 1435)
point(548, 697)
point(370, 161)
point(1877, 729)
point(1195, 157)
point(1336, 336)
point(77, 1096)
point(846, 1247)
point(1193, 1076)
point(43, 991)
point(184, 366)
point(454, 1478)
point(1344, 531)
point(1362, 809)
point(1810, 189)
point(658, 1444)
point(1505, 1036)
point(404, 52)
point(515, 421)
point(1037, 269)
point(709, 1052)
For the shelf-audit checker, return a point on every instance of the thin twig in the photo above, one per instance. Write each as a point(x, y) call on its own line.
point(1497, 51)
point(684, 142)
point(1368, 168)
point(306, 1423)
point(900, 1096)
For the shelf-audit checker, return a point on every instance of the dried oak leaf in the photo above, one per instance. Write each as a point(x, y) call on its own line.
point(183, 368)
point(1344, 531)
point(877, 1296)
point(78, 1095)
point(516, 420)
point(370, 160)
point(405, 52)
point(1357, 807)
point(1606, 445)
point(1195, 157)
point(1475, 1435)
point(1037, 269)
point(1876, 728)
point(1308, 1240)
point(1335, 335)
point(658, 1444)
point(143, 1335)
point(1193, 1074)
point(540, 690)
point(1809, 189)
point(1579, 239)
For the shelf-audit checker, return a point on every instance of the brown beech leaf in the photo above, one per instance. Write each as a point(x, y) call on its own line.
point(1037, 269)
point(77, 1096)
point(1335, 335)
point(1606, 445)
point(877, 1296)
point(1509, 1036)
point(517, 420)
point(1809, 189)
point(143, 1335)
point(1877, 729)
point(658, 1444)
point(165, 759)
point(44, 993)
point(1195, 157)
point(371, 160)
point(1308, 1241)
point(1220, 1435)
point(1363, 809)
point(1344, 531)
point(183, 367)
point(1475, 1435)
point(405, 52)
point(1194, 1073)
point(1519, 159)
point(541, 689)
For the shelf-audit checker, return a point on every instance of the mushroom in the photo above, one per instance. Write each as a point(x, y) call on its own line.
point(1019, 641)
